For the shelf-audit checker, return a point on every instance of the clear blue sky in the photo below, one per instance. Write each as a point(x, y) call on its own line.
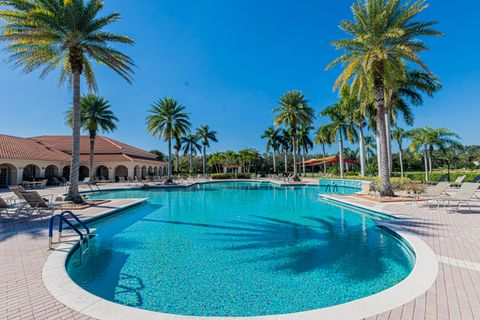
point(228, 61)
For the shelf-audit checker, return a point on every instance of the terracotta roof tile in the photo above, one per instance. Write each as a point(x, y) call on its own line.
point(29, 149)
point(102, 145)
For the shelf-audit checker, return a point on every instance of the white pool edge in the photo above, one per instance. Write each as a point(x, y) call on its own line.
point(422, 277)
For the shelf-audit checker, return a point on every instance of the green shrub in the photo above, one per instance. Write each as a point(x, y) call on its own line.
point(436, 175)
point(227, 176)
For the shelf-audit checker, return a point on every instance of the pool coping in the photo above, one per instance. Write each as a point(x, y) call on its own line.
point(422, 277)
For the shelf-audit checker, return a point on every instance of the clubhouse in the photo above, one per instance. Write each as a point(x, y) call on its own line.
point(43, 157)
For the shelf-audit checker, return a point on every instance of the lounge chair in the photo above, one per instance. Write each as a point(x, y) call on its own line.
point(65, 181)
point(38, 204)
point(464, 195)
point(458, 182)
point(57, 182)
point(433, 193)
point(129, 179)
point(122, 180)
point(11, 210)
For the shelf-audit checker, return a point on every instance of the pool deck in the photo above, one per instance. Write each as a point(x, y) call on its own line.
point(454, 238)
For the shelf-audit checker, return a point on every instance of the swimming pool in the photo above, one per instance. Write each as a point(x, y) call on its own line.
point(238, 249)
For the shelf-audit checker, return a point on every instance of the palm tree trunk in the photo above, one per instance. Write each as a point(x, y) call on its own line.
point(274, 161)
point(169, 177)
point(191, 161)
point(286, 161)
point(340, 152)
point(294, 150)
point(400, 155)
point(362, 151)
point(92, 154)
point(386, 187)
point(177, 160)
point(389, 141)
point(73, 194)
point(324, 163)
point(379, 161)
point(425, 159)
point(303, 160)
point(430, 159)
point(204, 161)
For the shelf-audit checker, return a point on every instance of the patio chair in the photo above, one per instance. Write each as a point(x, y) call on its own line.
point(39, 204)
point(11, 210)
point(129, 179)
point(65, 181)
point(458, 182)
point(122, 180)
point(433, 193)
point(464, 195)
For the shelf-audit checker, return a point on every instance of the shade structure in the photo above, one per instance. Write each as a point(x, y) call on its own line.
point(326, 160)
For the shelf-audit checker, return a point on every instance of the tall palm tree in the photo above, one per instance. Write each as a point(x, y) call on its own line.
point(191, 145)
point(384, 39)
point(399, 134)
point(305, 143)
point(177, 146)
point(207, 136)
point(420, 140)
point(67, 35)
point(440, 139)
point(274, 138)
point(167, 120)
point(410, 92)
point(285, 143)
point(341, 127)
point(293, 112)
point(95, 116)
point(323, 137)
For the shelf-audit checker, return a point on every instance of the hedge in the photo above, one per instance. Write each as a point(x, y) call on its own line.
point(436, 175)
point(227, 176)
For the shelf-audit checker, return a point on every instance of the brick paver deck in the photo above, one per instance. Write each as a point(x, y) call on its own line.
point(455, 238)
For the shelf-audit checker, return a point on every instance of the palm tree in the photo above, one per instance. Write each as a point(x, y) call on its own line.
point(420, 140)
point(177, 146)
point(410, 92)
point(285, 143)
point(66, 35)
point(206, 136)
point(191, 144)
point(167, 120)
point(441, 139)
point(293, 112)
point(384, 39)
point(274, 138)
point(304, 142)
point(323, 137)
point(95, 116)
point(341, 127)
point(399, 134)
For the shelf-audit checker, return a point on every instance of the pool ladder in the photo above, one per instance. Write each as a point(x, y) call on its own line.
point(331, 188)
point(75, 224)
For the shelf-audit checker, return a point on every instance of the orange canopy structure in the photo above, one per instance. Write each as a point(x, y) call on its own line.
point(326, 160)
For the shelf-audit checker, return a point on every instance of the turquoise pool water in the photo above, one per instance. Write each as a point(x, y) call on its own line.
point(238, 249)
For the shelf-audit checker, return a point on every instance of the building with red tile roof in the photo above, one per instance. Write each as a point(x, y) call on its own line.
point(47, 156)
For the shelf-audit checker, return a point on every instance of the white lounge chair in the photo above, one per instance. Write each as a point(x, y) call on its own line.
point(458, 182)
point(464, 195)
point(433, 193)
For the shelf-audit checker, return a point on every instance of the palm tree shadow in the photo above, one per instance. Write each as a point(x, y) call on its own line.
point(319, 243)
